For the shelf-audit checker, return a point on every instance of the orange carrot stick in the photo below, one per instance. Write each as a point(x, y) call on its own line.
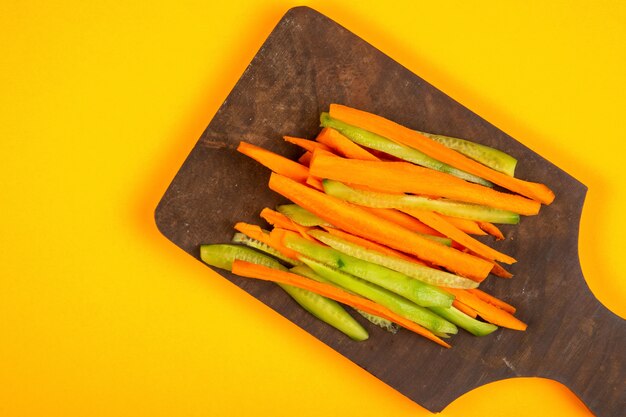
point(468, 226)
point(435, 221)
point(500, 272)
point(409, 137)
point(250, 270)
point(403, 219)
point(465, 309)
point(315, 183)
point(488, 311)
point(409, 178)
point(309, 145)
point(492, 229)
point(255, 232)
point(367, 225)
point(277, 219)
point(493, 300)
point(305, 159)
point(275, 162)
point(344, 146)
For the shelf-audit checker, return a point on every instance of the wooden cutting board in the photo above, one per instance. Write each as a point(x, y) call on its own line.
point(308, 62)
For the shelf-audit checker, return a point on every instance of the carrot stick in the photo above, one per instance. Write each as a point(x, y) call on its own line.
point(493, 300)
point(438, 223)
point(250, 270)
point(255, 232)
point(488, 311)
point(403, 219)
point(343, 146)
point(468, 226)
point(367, 225)
point(409, 178)
point(275, 162)
point(305, 159)
point(500, 272)
point(309, 145)
point(465, 309)
point(315, 183)
point(492, 229)
point(409, 137)
point(277, 219)
point(368, 244)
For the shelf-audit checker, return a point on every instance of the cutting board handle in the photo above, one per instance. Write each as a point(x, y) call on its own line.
point(594, 362)
point(593, 358)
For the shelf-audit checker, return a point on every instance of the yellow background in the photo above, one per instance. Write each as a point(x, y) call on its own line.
point(100, 102)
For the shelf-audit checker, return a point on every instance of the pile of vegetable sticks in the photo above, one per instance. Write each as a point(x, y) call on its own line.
point(382, 221)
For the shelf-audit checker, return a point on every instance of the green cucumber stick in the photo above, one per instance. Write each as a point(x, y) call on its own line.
point(307, 272)
point(491, 157)
point(419, 292)
point(442, 206)
point(380, 143)
point(329, 311)
point(475, 327)
point(420, 272)
point(301, 216)
point(399, 305)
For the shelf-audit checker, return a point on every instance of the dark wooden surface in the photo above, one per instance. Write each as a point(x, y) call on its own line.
point(307, 63)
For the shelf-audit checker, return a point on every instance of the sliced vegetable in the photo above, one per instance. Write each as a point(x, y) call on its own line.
point(386, 324)
point(475, 327)
point(308, 145)
point(408, 268)
point(385, 298)
point(263, 247)
point(442, 206)
point(301, 216)
point(344, 146)
point(255, 232)
point(488, 311)
point(408, 137)
point(409, 178)
point(492, 230)
point(493, 300)
point(493, 158)
point(250, 270)
point(275, 162)
point(223, 256)
point(374, 141)
point(436, 222)
point(419, 292)
point(364, 224)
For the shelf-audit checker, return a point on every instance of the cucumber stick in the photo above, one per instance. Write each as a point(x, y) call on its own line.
point(475, 327)
point(448, 207)
point(380, 143)
point(423, 273)
point(307, 272)
point(399, 305)
point(301, 216)
point(329, 311)
point(419, 292)
point(263, 247)
point(493, 158)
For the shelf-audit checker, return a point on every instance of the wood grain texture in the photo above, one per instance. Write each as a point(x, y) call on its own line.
point(307, 63)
